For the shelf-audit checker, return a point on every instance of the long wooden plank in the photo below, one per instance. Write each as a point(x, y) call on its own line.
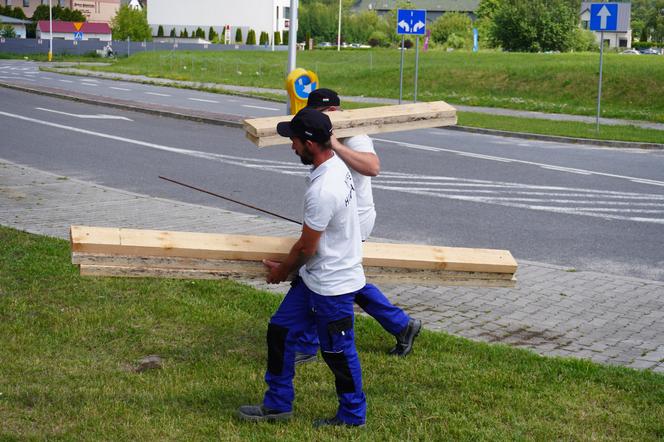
point(250, 270)
point(133, 242)
point(162, 265)
point(262, 131)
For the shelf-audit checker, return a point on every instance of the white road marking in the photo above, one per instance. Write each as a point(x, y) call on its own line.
point(532, 163)
point(66, 81)
point(260, 107)
point(89, 84)
point(590, 203)
point(203, 100)
point(119, 88)
point(158, 94)
point(88, 117)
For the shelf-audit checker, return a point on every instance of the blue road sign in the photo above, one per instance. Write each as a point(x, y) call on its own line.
point(411, 21)
point(603, 16)
point(78, 35)
point(304, 86)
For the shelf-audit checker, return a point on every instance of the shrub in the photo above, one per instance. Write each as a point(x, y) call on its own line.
point(285, 39)
point(238, 35)
point(212, 35)
point(584, 41)
point(277, 37)
point(160, 31)
point(265, 39)
point(455, 41)
point(184, 33)
point(251, 37)
point(378, 38)
point(172, 34)
point(7, 31)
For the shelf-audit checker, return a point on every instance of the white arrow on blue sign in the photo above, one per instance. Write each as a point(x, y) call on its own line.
point(603, 16)
point(304, 86)
point(411, 21)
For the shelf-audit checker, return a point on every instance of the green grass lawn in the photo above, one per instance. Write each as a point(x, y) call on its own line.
point(559, 83)
point(66, 343)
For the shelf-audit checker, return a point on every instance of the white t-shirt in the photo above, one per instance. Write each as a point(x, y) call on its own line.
point(330, 206)
point(365, 202)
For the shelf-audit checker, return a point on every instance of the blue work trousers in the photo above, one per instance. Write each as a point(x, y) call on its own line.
point(332, 316)
point(375, 303)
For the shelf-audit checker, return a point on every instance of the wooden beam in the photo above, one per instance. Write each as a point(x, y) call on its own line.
point(133, 242)
point(263, 131)
point(188, 268)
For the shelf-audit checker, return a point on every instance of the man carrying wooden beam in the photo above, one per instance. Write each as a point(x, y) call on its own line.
point(360, 156)
point(328, 255)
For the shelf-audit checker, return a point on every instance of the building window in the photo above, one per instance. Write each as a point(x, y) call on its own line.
point(26, 3)
point(622, 43)
point(8, 2)
point(286, 11)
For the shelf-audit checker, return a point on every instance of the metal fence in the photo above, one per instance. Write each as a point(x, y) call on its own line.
point(121, 48)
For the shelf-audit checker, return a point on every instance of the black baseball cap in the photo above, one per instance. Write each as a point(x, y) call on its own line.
point(323, 98)
point(308, 124)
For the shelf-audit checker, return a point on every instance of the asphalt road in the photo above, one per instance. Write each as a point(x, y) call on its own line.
point(576, 206)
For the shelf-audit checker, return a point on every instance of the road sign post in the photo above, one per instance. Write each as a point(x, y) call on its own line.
point(603, 17)
point(410, 22)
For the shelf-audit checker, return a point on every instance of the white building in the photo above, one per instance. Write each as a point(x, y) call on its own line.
point(260, 15)
point(17, 24)
point(622, 37)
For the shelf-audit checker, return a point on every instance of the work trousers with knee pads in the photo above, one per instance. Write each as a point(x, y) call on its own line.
point(332, 317)
point(370, 299)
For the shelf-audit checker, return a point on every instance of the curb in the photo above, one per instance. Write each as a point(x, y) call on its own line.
point(199, 116)
point(556, 138)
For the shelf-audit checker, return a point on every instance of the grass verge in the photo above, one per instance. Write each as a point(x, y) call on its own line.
point(560, 128)
point(557, 83)
point(67, 343)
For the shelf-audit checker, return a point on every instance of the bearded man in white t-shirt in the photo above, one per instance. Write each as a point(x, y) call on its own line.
point(360, 156)
point(328, 255)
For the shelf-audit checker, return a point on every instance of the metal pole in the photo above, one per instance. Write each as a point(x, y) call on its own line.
point(292, 43)
point(417, 63)
point(601, 60)
point(274, 23)
point(50, 25)
point(339, 30)
point(403, 39)
point(128, 47)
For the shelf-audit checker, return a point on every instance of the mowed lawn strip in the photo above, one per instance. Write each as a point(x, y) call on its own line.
point(558, 83)
point(67, 345)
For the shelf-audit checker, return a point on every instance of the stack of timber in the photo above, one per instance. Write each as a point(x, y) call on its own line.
point(263, 131)
point(103, 251)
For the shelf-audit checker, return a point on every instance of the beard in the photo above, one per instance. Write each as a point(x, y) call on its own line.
point(306, 158)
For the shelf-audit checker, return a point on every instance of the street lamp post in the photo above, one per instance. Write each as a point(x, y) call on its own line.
point(339, 29)
point(50, 25)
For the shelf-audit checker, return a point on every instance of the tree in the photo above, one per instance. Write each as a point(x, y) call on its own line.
point(285, 39)
point(59, 13)
point(238, 35)
point(200, 33)
point(212, 35)
point(131, 23)
point(7, 31)
point(251, 37)
point(535, 25)
point(160, 31)
point(184, 33)
point(277, 37)
point(265, 38)
point(172, 34)
point(452, 23)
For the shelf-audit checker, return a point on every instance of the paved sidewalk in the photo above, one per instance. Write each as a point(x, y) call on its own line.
point(553, 311)
point(362, 99)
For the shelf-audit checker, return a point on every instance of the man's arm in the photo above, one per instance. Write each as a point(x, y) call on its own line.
point(303, 249)
point(365, 163)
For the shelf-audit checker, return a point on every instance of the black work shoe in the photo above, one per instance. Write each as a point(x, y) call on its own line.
point(334, 422)
point(303, 358)
point(258, 413)
point(406, 338)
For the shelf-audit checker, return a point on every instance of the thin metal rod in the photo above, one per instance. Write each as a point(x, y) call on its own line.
point(403, 40)
point(230, 199)
point(599, 89)
point(417, 63)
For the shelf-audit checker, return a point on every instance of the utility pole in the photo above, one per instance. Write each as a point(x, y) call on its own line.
point(50, 25)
